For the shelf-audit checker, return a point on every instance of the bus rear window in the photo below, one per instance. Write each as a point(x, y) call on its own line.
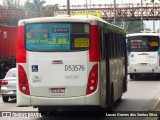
point(57, 36)
point(143, 43)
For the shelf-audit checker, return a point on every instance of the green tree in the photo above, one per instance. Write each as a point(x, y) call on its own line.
point(28, 5)
point(33, 9)
point(151, 1)
point(132, 26)
point(50, 9)
point(29, 9)
point(11, 3)
point(129, 26)
point(38, 4)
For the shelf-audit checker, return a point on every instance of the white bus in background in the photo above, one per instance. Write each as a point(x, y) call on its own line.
point(66, 62)
point(143, 55)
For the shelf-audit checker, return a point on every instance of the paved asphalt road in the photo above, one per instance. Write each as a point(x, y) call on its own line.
point(142, 95)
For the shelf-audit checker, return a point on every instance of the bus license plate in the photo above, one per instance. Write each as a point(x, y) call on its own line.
point(57, 90)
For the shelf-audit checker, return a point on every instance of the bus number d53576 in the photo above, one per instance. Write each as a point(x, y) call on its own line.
point(74, 67)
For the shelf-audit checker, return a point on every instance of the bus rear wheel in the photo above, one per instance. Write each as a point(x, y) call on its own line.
point(136, 76)
point(43, 111)
point(158, 75)
point(47, 111)
point(132, 76)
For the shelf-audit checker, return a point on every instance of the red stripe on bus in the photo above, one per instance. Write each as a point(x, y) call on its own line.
point(20, 50)
point(94, 52)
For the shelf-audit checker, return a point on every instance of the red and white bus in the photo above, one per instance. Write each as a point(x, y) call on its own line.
point(70, 61)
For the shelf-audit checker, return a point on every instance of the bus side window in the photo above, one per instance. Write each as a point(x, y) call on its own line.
point(123, 44)
point(102, 40)
point(115, 44)
point(108, 44)
point(118, 45)
point(111, 45)
point(121, 47)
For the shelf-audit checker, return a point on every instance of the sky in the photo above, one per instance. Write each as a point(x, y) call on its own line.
point(82, 2)
point(149, 24)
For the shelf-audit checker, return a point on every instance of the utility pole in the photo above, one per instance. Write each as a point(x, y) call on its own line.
point(68, 7)
point(114, 12)
point(86, 4)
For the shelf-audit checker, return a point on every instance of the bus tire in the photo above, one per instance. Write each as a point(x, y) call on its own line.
point(119, 100)
point(43, 111)
point(136, 76)
point(132, 76)
point(158, 75)
point(53, 113)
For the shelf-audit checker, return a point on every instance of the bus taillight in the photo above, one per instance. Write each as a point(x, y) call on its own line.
point(92, 80)
point(23, 81)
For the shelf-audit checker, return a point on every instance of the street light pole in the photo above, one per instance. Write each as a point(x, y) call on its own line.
point(114, 12)
point(68, 7)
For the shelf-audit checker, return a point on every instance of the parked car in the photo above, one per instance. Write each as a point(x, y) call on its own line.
point(8, 85)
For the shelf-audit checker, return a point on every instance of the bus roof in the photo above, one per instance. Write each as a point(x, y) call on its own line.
point(142, 34)
point(64, 18)
point(93, 20)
